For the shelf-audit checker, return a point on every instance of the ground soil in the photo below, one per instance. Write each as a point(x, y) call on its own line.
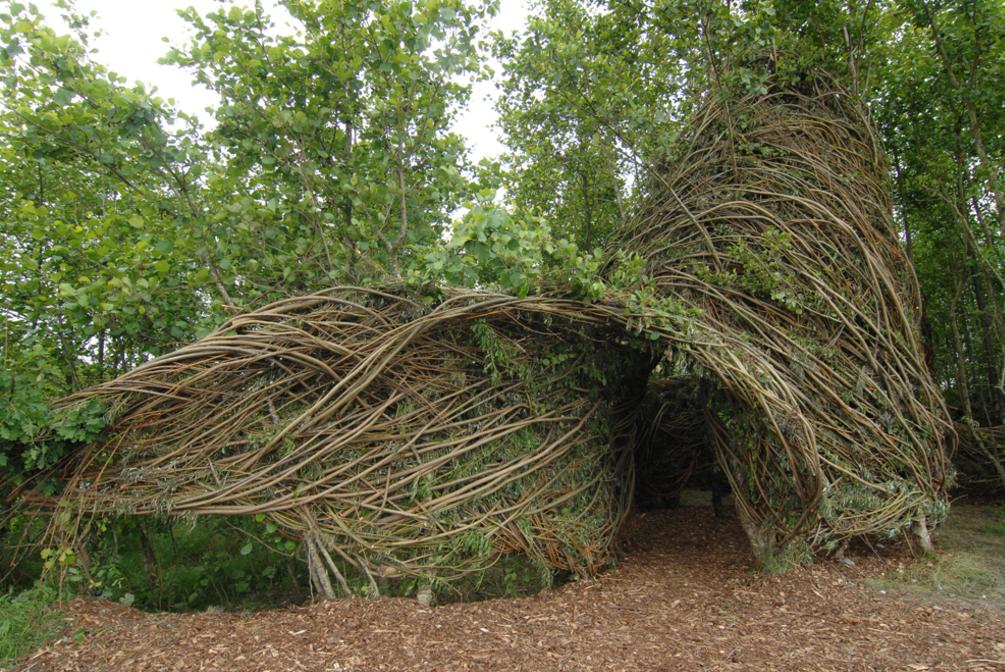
point(684, 598)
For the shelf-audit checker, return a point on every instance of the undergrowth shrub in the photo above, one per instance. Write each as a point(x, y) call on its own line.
point(233, 563)
point(28, 620)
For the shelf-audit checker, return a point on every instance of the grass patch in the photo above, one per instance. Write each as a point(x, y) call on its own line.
point(968, 564)
point(27, 621)
point(997, 526)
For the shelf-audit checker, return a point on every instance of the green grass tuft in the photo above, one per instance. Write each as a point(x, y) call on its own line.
point(968, 565)
point(997, 526)
point(27, 621)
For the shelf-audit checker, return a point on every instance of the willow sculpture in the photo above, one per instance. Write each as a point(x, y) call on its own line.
point(427, 433)
point(773, 231)
point(394, 438)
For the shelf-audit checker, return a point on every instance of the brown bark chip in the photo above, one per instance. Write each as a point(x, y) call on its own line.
point(684, 598)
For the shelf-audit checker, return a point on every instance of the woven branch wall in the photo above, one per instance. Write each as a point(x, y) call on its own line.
point(771, 235)
point(407, 434)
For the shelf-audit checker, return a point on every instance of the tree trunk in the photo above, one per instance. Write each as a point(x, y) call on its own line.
point(762, 542)
point(963, 387)
point(921, 532)
point(150, 564)
point(993, 411)
point(318, 573)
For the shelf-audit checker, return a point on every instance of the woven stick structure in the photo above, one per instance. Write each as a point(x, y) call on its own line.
point(773, 230)
point(427, 434)
point(395, 437)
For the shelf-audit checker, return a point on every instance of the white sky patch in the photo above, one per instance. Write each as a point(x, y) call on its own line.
point(477, 123)
point(132, 44)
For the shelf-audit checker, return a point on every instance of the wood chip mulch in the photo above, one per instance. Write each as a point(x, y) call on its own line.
point(684, 598)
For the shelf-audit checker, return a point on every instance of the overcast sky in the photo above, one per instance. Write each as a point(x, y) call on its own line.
point(133, 43)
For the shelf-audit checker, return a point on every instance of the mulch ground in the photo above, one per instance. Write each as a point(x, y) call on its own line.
point(684, 598)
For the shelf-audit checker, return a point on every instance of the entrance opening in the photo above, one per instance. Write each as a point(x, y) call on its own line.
point(675, 461)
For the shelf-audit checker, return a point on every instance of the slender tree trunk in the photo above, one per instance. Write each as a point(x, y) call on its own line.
point(101, 353)
point(899, 182)
point(963, 388)
point(992, 401)
point(150, 564)
point(402, 236)
point(969, 352)
point(319, 575)
point(993, 411)
point(347, 202)
point(962, 380)
point(587, 211)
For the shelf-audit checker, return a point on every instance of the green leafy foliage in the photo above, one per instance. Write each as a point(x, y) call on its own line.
point(515, 252)
point(33, 434)
point(180, 566)
point(339, 153)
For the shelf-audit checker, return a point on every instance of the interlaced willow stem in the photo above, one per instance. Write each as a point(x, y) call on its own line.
point(401, 432)
point(402, 438)
point(773, 227)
